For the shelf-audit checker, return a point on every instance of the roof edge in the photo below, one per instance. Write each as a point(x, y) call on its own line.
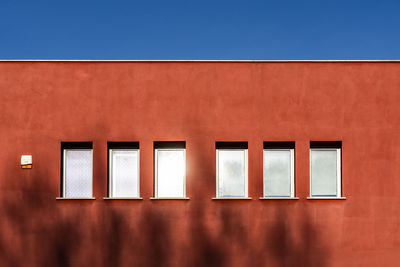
point(206, 60)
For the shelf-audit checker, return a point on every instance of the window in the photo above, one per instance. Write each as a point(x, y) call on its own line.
point(325, 169)
point(76, 161)
point(169, 170)
point(123, 169)
point(231, 170)
point(279, 169)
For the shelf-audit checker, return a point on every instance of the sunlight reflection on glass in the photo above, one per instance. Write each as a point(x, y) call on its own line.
point(171, 173)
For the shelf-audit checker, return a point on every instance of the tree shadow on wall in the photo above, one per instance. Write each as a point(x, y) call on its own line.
point(276, 243)
point(232, 236)
point(31, 232)
point(294, 245)
point(36, 230)
point(114, 237)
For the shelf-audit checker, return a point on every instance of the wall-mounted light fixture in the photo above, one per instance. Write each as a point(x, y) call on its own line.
point(26, 161)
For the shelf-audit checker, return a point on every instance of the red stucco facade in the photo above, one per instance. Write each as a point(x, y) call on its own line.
point(44, 103)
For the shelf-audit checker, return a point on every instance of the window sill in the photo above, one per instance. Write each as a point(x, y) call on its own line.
point(75, 198)
point(169, 198)
point(327, 198)
point(231, 198)
point(278, 198)
point(122, 198)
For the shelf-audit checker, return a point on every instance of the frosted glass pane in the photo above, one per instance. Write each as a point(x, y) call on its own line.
point(125, 173)
point(277, 173)
point(323, 172)
point(171, 173)
point(78, 173)
point(231, 173)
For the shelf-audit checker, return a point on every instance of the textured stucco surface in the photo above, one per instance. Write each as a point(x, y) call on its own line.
point(44, 103)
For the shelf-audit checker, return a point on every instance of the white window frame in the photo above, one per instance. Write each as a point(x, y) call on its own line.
point(246, 173)
point(292, 183)
point(338, 176)
point(111, 169)
point(64, 172)
point(156, 173)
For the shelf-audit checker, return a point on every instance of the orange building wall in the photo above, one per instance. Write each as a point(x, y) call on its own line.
point(44, 103)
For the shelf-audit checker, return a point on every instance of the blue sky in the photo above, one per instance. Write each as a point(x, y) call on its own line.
point(151, 29)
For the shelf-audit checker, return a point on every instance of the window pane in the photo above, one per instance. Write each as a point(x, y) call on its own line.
point(125, 173)
point(277, 173)
point(231, 173)
point(171, 173)
point(78, 173)
point(323, 172)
